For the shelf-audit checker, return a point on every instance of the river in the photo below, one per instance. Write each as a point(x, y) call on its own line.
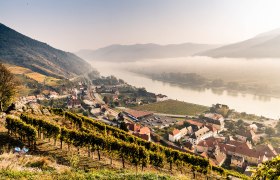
point(241, 102)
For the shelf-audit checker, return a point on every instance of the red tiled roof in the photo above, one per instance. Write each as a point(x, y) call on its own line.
point(248, 152)
point(144, 130)
point(246, 133)
point(196, 123)
point(211, 128)
point(227, 147)
point(138, 114)
point(267, 150)
point(175, 131)
point(238, 143)
point(209, 142)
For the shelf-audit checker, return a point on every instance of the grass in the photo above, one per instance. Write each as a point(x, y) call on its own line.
point(40, 78)
point(174, 107)
point(11, 161)
point(18, 69)
point(100, 174)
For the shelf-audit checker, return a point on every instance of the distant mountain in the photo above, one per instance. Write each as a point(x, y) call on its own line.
point(20, 50)
point(143, 51)
point(265, 45)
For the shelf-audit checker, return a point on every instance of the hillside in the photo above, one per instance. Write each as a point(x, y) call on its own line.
point(264, 45)
point(135, 52)
point(90, 148)
point(31, 82)
point(20, 50)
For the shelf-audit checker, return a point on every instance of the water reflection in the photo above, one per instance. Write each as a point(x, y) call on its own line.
point(242, 102)
point(262, 98)
point(218, 91)
point(233, 93)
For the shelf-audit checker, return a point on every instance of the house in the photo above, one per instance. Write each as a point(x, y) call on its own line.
point(253, 127)
point(196, 125)
point(144, 133)
point(267, 150)
point(244, 135)
point(137, 115)
point(189, 130)
point(246, 144)
point(73, 103)
point(218, 156)
point(212, 128)
point(252, 156)
point(208, 144)
point(243, 149)
point(237, 161)
point(199, 135)
point(141, 132)
point(133, 126)
point(217, 120)
point(229, 147)
point(184, 131)
point(95, 111)
point(161, 97)
point(175, 135)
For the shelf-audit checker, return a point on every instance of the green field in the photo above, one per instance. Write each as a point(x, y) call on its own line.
point(174, 107)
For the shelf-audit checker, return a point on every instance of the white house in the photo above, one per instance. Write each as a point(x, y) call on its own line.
point(253, 127)
point(199, 135)
point(175, 135)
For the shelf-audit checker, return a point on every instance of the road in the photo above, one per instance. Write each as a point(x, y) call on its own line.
point(175, 115)
point(97, 98)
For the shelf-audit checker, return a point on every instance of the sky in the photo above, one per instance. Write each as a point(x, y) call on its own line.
point(72, 25)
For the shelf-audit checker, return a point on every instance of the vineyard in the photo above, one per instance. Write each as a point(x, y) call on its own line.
point(92, 136)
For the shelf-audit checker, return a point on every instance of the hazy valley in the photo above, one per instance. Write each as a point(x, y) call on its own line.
point(139, 90)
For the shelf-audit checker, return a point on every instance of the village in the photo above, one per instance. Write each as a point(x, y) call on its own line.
point(214, 134)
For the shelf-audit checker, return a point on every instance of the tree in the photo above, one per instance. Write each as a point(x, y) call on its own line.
point(278, 127)
point(106, 99)
point(7, 87)
point(123, 126)
point(268, 170)
point(157, 138)
point(240, 122)
point(85, 113)
point(269, 131)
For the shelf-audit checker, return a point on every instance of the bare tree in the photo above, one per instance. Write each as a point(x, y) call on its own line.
point(7, 87)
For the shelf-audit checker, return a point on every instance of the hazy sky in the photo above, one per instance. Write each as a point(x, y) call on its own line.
point(89, 24)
